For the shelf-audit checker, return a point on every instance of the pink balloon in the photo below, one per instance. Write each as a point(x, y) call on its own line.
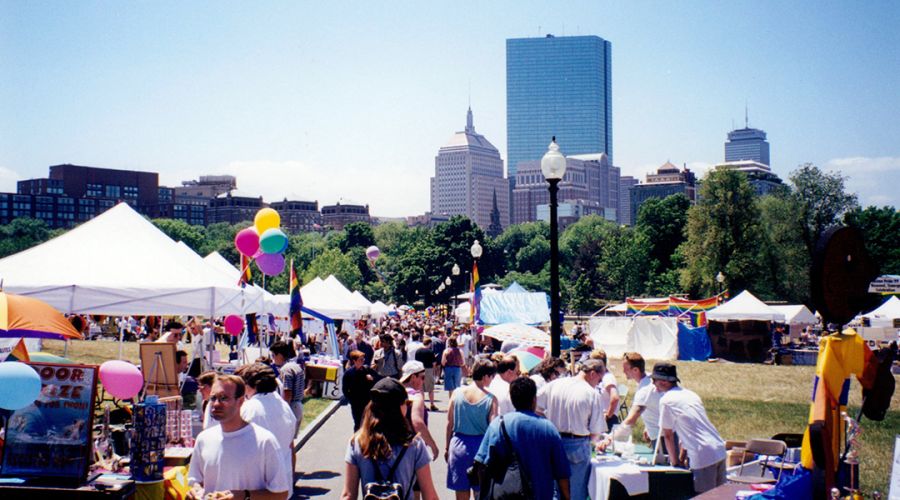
point(270, 264)
point(247, 241)
point(121, 379)
point(234, 325)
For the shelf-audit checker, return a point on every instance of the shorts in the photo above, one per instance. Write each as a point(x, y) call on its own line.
point(452, 377)
point(428, 386)
point(461, 456)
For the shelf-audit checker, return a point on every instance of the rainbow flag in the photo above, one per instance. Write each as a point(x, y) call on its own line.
point(476, 294)
point(19, 353)
point(296, 305)
point(245, 270)
point(678, 305)
point(648, 307)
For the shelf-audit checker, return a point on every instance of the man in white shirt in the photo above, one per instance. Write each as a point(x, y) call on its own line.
point(609, 390)
point(507, 371)
point(646, 398)
point(573, 405)
point(266, 408)
point(681, 411)
point(236, 457)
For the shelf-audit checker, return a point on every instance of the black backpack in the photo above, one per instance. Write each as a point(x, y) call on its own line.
point(385, 489)
point(502, 478)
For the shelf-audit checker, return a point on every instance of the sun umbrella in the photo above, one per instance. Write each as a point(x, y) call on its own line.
point(46, 357)
point(522, 334)
point(526, 359)
point(22, 316)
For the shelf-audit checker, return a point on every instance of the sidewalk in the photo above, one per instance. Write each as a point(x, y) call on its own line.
point(320, 462)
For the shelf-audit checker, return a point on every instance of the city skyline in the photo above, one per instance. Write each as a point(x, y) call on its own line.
point(280, 94)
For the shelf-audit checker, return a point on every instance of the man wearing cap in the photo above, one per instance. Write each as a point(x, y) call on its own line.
point(681, 412)
point(573, 405)
point(413, 378)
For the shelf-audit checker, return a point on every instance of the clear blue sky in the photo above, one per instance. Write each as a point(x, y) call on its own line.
point(351, 100)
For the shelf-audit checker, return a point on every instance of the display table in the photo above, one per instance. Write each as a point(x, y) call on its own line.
point(101, 487)
point(322, 373)
point(727, 491)
point(613, 477)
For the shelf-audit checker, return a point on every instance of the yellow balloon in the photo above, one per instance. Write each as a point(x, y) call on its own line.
point(266, 218)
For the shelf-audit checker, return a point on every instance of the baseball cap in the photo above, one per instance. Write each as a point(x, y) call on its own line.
point(411, 368)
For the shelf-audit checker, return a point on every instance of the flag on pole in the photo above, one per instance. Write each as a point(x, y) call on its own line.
point(245, 270)
point(296, 305)
point(19, 353)
point(476, 295)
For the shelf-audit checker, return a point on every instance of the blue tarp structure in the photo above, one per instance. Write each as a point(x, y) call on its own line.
point(693, 343)
point(529, 308)
point(515, 288)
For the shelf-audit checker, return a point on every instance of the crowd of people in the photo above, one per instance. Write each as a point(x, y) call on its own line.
point(553, 418)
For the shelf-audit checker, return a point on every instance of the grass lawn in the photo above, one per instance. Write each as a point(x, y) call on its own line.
point(95, 352)
point(748, 401)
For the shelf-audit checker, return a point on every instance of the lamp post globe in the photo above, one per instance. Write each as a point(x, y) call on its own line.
point(553, 166)
point(455, 270)
point(476, 250)
point(448, 281)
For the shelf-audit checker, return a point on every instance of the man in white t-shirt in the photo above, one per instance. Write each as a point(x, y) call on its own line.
point(236, 457)
point(507, 371)
point(573, 405)
point(681, 412)
point(646, 398)
point(609, 390)
point(266, 408)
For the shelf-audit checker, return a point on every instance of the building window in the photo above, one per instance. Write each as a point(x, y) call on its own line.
point(113, 191)
point(95, 190)
point(130, 191)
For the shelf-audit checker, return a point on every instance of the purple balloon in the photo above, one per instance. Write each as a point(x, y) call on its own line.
point(270, 264)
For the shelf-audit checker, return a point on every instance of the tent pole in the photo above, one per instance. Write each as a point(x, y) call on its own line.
point(121, 341)
point(66, 349)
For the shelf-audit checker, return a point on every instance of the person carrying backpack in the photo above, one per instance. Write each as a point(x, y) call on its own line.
point(385, 457)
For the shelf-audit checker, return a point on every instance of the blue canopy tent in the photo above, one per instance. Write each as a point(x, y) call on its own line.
point(529, 308)
point(693, 343)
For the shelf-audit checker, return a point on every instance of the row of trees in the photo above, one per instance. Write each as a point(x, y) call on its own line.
point(761, 243)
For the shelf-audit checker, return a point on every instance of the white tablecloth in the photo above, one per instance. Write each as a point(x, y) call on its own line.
point(635, 478)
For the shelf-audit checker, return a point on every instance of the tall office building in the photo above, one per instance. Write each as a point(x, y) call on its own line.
point(557, 86)
point(626, 182)
point(584, 189)
point(468, 174)
point(747, 144)
point(667, 180)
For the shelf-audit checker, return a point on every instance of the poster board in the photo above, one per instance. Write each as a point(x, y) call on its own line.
point(51, 438)
point(158, 367)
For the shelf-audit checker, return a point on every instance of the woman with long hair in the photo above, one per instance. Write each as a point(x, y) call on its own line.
point(385, 441)
point(453, 362)
point(470, 412)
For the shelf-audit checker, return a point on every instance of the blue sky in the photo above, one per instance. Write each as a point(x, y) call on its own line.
point(351, 100)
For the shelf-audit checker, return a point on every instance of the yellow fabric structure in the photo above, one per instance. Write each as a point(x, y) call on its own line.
point(176, 483)
point(840, 356)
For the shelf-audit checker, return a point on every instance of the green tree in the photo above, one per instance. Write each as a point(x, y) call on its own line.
point(722, 235)
point(515, 239)
point(821, 200)
point(624, 264)
point(22, 233)
point(332, 261)
point(179, 230)
point(881, 229)
point(662, 222)
point(784, 260)
point(357, 234)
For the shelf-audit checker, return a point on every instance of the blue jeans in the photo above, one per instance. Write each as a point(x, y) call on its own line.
point(578, 451)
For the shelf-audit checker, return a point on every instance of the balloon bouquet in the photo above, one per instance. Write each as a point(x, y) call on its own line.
point(372, 253)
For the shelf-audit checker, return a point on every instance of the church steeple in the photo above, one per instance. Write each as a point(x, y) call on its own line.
point(470, 127)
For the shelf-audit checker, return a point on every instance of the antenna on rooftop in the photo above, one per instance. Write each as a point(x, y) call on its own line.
point(746, 116)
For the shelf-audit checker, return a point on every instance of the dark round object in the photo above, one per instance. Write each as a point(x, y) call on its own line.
point(840, 275)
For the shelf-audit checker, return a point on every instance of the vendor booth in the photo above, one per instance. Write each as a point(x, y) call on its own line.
point(796, 318)
point(883, 323)
point(741, 328)
point(514, 305)
point(654, 337)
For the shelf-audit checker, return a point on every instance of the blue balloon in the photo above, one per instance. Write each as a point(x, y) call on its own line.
point(20, 385)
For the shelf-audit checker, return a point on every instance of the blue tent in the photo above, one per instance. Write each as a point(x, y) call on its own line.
point(528, 308)
point(693, 343)
point(515, 288)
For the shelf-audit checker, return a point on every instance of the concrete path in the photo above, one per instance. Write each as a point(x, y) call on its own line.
point(320, 462)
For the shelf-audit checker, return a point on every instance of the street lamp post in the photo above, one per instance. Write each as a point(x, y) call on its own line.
point(720, 279)
point(553, 166)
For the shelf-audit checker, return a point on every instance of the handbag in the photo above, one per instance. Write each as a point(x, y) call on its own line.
point(502, 478)
point(385, 489)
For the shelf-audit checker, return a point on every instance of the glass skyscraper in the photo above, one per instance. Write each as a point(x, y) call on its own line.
point(747, 144)
point(557, 86)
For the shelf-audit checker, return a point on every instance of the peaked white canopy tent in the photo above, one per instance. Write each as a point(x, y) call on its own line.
point(328, 297)
point(119, 263)
point(885, 314)
point(259, 300)
point(745, 306)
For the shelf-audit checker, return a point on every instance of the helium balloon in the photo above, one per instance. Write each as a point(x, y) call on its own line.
point(265, 219)
point(373, 252)
point(273, 241)
point(20, 385)
point(121, 379)
point(234, 324)
point(247, 241)
point(270, 264)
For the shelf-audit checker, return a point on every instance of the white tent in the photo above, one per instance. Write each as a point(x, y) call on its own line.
point(380, 309)
point(743, 307)
point(119, 263)
point(259, 299)
point(885, 314)
point(797, 315)
point(655, 337)
point(328, 297)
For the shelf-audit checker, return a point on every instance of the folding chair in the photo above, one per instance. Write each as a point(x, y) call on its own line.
point(623, 405)
point(767, 448)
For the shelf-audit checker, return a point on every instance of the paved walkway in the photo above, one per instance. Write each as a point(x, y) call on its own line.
point(320, 462)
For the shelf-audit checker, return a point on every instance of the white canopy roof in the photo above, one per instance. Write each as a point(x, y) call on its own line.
point(119, 263)
point(745, 306)
point(797, 314)
point(328, 297)
point(885, 314)
point(380, 309)
point(259, 299)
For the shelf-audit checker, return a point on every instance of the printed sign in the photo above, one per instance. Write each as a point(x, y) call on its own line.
point(52, 436)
